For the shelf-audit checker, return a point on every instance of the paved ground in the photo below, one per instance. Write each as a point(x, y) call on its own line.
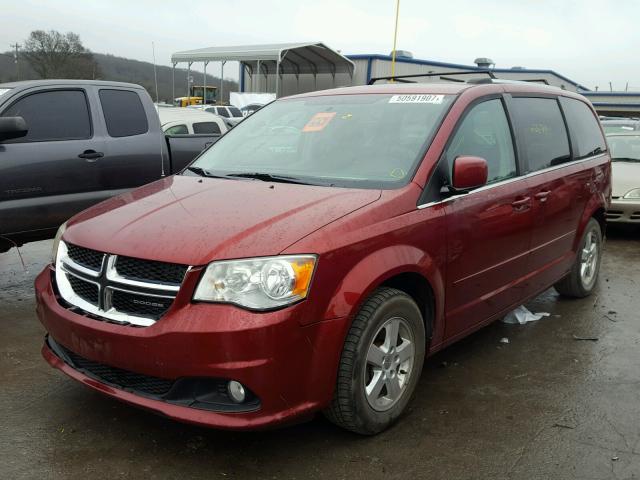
point(543, 406)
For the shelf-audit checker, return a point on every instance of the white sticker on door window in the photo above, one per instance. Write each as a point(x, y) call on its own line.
point(417, 99)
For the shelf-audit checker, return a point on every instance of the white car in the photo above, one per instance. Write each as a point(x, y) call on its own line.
point(230, 114)
point(187, 121)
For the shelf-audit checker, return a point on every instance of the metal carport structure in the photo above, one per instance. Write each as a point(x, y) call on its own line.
point(284, 58)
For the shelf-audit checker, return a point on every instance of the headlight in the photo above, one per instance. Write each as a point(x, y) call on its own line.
point(257, 283)
point(56, 242)
point(635, 193)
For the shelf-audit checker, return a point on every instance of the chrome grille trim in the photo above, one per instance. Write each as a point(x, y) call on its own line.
point(114, 276)
point(107, 280)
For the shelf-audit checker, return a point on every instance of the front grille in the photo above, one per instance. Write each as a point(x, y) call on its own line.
point(143, 305)
point(121, 378)
point(635, 216)
point(85, 290)
point(150, 271)
point(87, 258)
point(125, 290)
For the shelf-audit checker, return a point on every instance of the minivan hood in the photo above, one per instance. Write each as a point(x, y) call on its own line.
point(625, 176)
point(194, 220)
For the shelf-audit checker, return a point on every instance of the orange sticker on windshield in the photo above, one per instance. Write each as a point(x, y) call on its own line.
point(319, 121)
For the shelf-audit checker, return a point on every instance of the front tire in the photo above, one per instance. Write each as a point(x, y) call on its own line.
point(583, 277)
point(380, 364)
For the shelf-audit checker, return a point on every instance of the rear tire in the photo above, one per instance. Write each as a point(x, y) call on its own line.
point(583, 277)
point(380, 364)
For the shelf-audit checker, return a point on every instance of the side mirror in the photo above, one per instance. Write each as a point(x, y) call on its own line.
point(12, 127)
point(469, 172)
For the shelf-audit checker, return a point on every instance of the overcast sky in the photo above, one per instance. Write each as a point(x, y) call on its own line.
point(591, 42)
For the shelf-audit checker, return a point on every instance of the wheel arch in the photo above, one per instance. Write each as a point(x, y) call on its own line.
point(404, 267)
point(420, 290)
point(595, 209)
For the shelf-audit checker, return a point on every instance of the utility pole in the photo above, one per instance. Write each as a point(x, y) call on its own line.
point(395, 38)
point(16, 46)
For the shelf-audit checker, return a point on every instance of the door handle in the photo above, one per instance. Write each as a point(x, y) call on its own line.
point(91, 155)
point(520, 205)
point(542, 196)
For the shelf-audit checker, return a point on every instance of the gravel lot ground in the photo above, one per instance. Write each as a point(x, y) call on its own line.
point(543, 406)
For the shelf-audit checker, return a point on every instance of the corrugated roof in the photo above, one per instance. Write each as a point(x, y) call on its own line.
point(296, 58)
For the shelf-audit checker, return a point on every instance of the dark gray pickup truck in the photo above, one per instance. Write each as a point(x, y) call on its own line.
point(68, 144)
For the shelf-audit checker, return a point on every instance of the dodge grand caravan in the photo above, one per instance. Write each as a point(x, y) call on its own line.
point(313, 257)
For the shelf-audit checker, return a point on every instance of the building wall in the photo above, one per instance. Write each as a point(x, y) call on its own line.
point(382, 68)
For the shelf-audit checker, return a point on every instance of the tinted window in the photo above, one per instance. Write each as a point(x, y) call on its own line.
point(177, 130)
point(123, 112)
point(206, 127)
point(54, 115)
point(485, 133)
point(583, 126)
point(222, 111)
point(235, 112)
point(541, 131)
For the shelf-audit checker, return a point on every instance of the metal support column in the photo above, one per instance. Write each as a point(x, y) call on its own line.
point(188, 84)
point(277, 75)
point(222, 81)
point(204, 85)
point(173, 82)
point(258, 78)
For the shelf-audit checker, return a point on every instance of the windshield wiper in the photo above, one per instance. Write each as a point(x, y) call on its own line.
point(267, 177)
point(203, 173)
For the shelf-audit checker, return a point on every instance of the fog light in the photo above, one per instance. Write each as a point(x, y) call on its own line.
point(236, 391)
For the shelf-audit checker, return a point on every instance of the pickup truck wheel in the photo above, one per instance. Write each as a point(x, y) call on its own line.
point(380, 364)
point(584, 274)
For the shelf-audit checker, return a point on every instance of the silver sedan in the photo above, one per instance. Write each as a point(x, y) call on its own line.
point(625, 155)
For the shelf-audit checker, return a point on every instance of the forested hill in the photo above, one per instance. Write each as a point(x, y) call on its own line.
point(121, 69)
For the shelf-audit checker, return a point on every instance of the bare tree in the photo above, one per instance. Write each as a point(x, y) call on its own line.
point(55, 55)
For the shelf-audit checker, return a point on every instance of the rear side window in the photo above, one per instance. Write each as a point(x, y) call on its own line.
point(123, 112)
point(484, 132)
point(583, 127)
point(53, 115)
point(541, 131)
point(222, 111)
point(235, 112)
point(206, 127)
point(177, 130)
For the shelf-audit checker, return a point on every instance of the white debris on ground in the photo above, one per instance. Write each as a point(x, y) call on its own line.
point(504, 340)
point(522, 315)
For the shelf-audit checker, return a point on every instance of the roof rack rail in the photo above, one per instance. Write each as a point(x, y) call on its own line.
point(442, 75)
point(480, 81)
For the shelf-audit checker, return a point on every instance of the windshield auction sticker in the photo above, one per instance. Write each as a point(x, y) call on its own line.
point(438, 99)
point(319, 121)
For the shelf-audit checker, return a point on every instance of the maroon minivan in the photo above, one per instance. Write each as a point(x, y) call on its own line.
point(313, 257)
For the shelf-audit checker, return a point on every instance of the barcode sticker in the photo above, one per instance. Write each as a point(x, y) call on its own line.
point(417, 99)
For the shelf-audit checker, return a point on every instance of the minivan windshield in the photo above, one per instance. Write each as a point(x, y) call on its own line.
point(361, 141)
point(625, 148)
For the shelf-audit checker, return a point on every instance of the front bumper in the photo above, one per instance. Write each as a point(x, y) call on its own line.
point(290, 368)
point(624, 211)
